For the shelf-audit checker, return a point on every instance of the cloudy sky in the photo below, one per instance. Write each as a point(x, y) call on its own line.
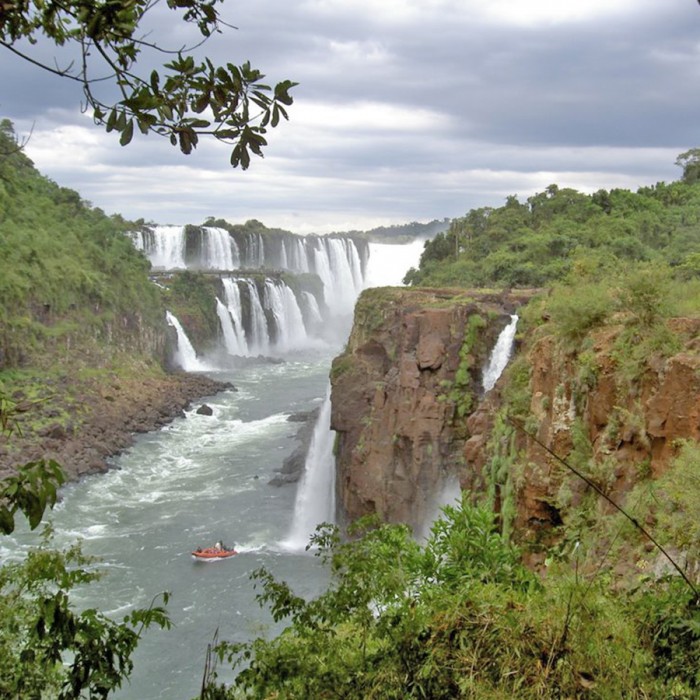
point(406, 110)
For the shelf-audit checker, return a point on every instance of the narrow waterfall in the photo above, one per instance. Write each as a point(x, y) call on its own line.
point(315, 501)
point(185, 356)
point(500, 355)
point(311, 310)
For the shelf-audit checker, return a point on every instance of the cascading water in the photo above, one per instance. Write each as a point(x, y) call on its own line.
point(259, 341)
point(315, 501)
point(500, 355)
point(237, 344)
point(291, 333)
point(448, 493)
point(263, 318)
point(166, 248)
point(218, 250)
point(232, 341)
point(185, 355)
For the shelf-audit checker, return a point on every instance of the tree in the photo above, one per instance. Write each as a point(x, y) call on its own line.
point(183, 101)
point(690, 162)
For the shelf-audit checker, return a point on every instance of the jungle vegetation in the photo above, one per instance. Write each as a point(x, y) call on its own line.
point(559, 231)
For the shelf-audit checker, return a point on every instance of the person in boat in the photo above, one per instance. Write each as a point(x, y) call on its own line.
point(219, 546)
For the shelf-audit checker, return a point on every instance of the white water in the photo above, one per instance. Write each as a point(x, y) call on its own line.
point(259, 341)
point(291, 333)
point(500, 355)
point(389, 263)
point(237, 345)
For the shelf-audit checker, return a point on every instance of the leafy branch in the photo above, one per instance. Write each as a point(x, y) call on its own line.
point(184, 100)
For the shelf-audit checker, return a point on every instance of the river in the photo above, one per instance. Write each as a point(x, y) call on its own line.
point(201, 479)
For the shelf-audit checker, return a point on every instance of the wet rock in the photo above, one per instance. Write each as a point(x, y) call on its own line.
point(205, 410)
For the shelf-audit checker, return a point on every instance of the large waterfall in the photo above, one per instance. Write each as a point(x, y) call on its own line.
point(259, 312)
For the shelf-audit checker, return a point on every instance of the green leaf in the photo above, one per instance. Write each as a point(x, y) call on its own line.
point(127, 134)
point(7, 522)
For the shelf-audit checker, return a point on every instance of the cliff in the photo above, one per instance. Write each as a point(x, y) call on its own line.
point(401, 392)
point(409, 410)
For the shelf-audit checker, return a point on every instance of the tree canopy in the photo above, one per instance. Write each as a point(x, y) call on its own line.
point(185, 99)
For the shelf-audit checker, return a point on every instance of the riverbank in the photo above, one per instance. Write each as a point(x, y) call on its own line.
point(81, 419)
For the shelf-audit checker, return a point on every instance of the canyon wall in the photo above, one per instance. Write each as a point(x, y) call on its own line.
point(409, 410)
point(401, 391)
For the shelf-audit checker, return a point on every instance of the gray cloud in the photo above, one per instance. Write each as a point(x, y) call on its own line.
point(405, 110)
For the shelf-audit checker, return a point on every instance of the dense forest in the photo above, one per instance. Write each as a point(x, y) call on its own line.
point(562, 231)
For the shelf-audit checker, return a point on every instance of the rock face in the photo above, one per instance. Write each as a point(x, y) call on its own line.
point(410, 375)
point(629, 430)
point(409, 411)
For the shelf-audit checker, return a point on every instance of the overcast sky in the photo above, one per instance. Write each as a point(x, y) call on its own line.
point(406, 110)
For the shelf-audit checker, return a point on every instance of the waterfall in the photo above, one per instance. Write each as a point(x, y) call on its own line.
point(256, 315)
point(291, 333)
point(238, 344)
point(165, 248)
point(315, 501)
point(185, 355)
point(217, 250)
point(232, 340)
point(337, 263)
point(259, 341)
point(449, 493)
point(500, 355)
point(312, 311)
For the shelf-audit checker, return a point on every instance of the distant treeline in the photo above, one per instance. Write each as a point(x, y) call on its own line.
point(555, 232)
point(403, 233)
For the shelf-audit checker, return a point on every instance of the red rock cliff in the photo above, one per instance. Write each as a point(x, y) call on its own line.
point(410, 375)
point(408, 410)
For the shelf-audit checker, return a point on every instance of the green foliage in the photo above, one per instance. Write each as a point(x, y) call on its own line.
point(182, 101)
point(644, 293)
point(69, 271)
point(563, 234)
point(46, 646)
point(690, 162)
point(30, 491)
point(576, 310)
point(461, 618)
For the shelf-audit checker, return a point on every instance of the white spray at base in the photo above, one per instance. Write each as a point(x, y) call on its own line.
point(315, 501)
point(500, 355)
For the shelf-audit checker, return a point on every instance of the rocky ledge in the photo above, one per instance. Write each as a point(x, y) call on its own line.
point(82, 421)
